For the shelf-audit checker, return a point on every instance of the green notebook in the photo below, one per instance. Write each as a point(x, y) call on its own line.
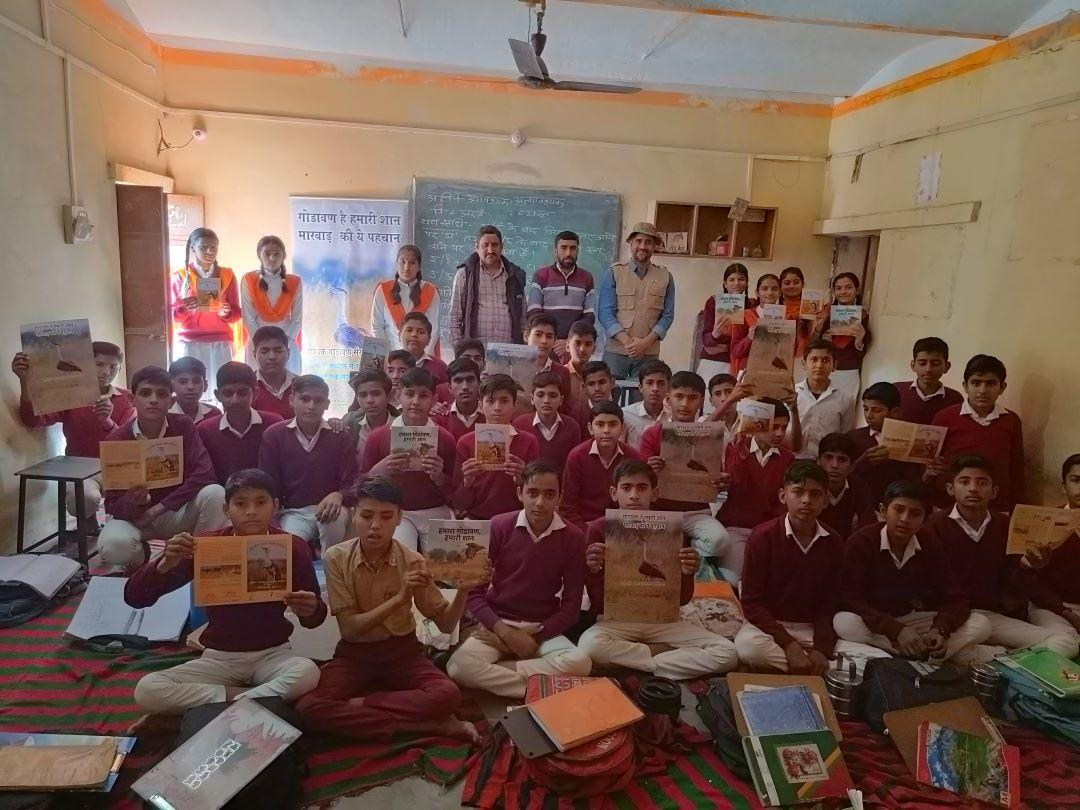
point(797, 768)
point(1053, 670)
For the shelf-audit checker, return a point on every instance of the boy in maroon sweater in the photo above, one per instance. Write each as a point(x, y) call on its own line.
point(468, 349)
point(415, 336)
point(873, 466)
point(189, 384)
point(921, 399)
point(273, 385)
point(481, 494)
point(598, 381)
point(538, 576)
point(247, 645)
point(313, 465)
point(589, 466)
point(981, 425)
point(850, 504)
point(464, 411)
point(194, 505)
point(397, 363)
point(556, 434)
point(1058, 573)
point(695, 652)
point(540, 334)
point(83, 427)
point(998, 586)
point(371, 394)
point(898, 591)
point(233, 438)
point(379, 682)
point(425, 491)
point(791, 583)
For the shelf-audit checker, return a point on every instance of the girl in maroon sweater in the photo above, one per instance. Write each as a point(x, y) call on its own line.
point(715, 355)
point(850, 349)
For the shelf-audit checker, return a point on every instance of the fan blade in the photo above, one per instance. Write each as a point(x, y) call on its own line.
point(590, 87)
point(525, 58)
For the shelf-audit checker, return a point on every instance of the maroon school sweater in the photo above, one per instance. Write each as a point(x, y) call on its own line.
point(586, 485)
point(494, 492)
point(453, 424)
point(879, 474)
point(436, 368)
point(419, 491)
point(567, 437)
point(264, 400)
point(303, 478)
point(230, 452)
point(83, 431)
point(1001, 443)
point(879, 592)
point(754, 493)
point(232, 628)
point(1060, 579)
point(914, 409)
point(855, 509)
point(781, 583)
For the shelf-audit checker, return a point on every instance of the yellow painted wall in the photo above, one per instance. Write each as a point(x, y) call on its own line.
point(1007, 284)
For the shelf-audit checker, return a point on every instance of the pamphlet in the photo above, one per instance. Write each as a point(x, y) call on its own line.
point(693, 454)
point(731, 306)
point(63, 375)
point(150, 463)
point(642, 576)
point(519, 361)
point(1052, 670)
point(457, 550)
point(754, 417)
point(1040, 528)
point(373, 352)
point(770, 366)
point(844, 319)
point(492, 445)
point(207, 294)
point(968, 765)
point(908, 441)
point(418, 442)
point(813, 304)
point(231, 570)
point(773, 312)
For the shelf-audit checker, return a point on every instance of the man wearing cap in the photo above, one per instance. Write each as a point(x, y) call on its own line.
point(636, 305)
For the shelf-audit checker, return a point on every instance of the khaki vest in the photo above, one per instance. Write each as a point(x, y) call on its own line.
point(640, 300)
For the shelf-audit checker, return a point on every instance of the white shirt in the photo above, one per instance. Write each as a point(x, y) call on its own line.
point(547, 432)
point(926, 397)
point(556, 525)
point(974, 534)
point(277, 392)
point(594, 451)
point(637, 421)
point(820, 532)
point(400, 422)
point(469, 420)
point(762, 455)
point(967, 410)
point(305, 442)
point(832, 412)
point(835, 499)
point(200, 414)
point(256, 419)
point(274, 283)
point(136, 430)
point(909, 550)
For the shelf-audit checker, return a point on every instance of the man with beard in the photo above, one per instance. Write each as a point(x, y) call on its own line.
point(637, 305)
point(564, 291)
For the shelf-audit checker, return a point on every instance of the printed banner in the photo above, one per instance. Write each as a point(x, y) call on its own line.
point(342, 248)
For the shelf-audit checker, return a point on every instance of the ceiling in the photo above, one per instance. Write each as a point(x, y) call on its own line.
point(800, 50)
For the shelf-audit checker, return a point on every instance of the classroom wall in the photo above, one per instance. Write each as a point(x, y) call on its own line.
point(43, 278)
point(1007, 284)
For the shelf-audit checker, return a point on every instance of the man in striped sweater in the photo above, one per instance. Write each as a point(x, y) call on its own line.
point(563, 290)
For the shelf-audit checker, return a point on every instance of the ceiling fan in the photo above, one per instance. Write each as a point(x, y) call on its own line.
point(534, 72)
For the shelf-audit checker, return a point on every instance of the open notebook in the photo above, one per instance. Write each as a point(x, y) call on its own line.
point(103, 612)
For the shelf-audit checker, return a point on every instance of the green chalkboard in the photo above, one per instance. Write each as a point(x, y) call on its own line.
point(449, 213)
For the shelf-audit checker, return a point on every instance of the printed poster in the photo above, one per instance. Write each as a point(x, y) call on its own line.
point(642, 576)
point(754, 417)
point(240, 570)
point(517, 360)
point(342, 248)
point(812, 305)
point(62, 371)
point(769, 368)
point(150, 463)
point(457, 550)
point(693, 456)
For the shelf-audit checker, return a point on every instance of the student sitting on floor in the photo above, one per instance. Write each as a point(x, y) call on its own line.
point(791, 583)
point(695, 651)
point(83, 428)
point(587, 470)
point(397, 363)
point(194, 505)
point(481, 494)
point(922, 398)
point(233, 438)
point(654, 381)
point(537, 580)
point(371, 392)
point(599, 382)
point(313, 466)
point(899, 593)
point(823, 408)
point(555, 433)
point(273, 380)
point(464, 411)
point(415, 337)
point(468, 349)
point(707, 534)
point(247, 653)
point(424, 491)
point(873, 466)
point(981, 425)
point(1058, 573)
point(380, 682)
point(850, 504)
point(998, 586)
point(189, 383)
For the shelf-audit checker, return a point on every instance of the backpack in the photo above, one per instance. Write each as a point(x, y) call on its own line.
point(278, 786)
point(19, 603)
point(896, 683)
point(714, 709)
point(1026, 702)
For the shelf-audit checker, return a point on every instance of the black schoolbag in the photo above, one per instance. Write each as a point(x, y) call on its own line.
point(714, 709)
point(19, 603)
point(896, 683)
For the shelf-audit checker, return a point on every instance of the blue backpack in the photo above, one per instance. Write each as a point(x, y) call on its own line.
point(1027, 703)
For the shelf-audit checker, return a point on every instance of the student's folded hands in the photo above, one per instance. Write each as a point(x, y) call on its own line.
point(520, 643)
point(911, 644)
point(492, 640)
point(801, 662)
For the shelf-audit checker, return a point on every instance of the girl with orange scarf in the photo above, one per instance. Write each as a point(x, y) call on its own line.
point(406, 292)
point(270, 296)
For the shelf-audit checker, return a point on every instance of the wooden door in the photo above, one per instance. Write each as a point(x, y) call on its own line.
point(144, 274)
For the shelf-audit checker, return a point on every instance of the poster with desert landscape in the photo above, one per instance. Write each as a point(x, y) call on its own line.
point(642, 578)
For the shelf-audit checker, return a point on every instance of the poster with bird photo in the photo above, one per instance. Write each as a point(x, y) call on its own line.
point(693, 456)
point(642, 578)
point(770, 366)
point(62, 371)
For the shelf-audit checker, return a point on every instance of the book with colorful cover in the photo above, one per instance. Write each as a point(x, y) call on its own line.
point(519, 361)
point(798, 768)
point(985, 769)
point(784, 710)
point(63, 375)
point(418, 442)
point(584, 713)
point(541, 686)
point(693, 454)
point(124, 745)
point(731, 306)
point(1053, 670)
point(642, 575)
point(207, 294)
point(456, 550)
point(492, 445)
point(844, 319)
point(373, 352)
point(813, 304)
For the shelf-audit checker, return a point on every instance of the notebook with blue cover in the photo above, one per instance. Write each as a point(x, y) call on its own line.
point(784, 710)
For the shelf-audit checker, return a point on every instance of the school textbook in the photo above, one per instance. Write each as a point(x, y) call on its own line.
point(584, 713)
point(103, 612)
point(45, 573)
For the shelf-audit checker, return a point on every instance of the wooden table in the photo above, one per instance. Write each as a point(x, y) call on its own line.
point(62, 470)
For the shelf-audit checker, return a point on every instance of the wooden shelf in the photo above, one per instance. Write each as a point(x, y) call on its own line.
point(704, 224)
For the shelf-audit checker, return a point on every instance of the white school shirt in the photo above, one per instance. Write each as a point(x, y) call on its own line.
point(467, 421)
point(256, 419)
point(547, 432)
point(967, 410)
point(832, 412)
point(305, 442)
point(762, 456)
point(382, 323)
point(637, 421)
point(292, 322)
point(200, 414)
point(909, 551)
point(969, 530)
point(277, 392)
point(926, 397)
point(819, 532)
point(557, 524)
